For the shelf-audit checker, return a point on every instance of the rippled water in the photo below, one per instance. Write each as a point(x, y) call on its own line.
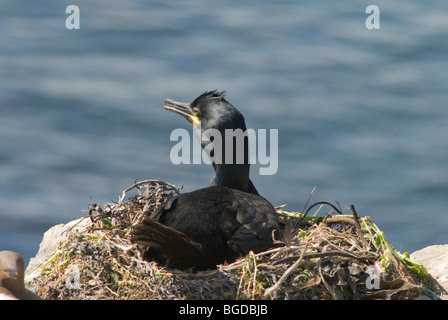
point(361, 113)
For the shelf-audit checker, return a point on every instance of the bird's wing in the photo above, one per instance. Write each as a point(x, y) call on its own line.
point(164, 206)
point(257, 226)
point(174, 246)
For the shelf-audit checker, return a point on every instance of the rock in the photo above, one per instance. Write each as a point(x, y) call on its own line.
point(12, 268)
point(49, 246)
point(435, 260)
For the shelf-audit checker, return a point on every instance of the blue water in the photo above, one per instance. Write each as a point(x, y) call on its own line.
point(362, 114)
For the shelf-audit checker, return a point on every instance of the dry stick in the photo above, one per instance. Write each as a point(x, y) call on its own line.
point(317, 203)
point(158, 182)
point(241, 282)
point(80, 220)
point(239, 263)
point(286, 273)
point(309, 198)
point(294, 226)
point(254, 260)
point(358, 226)
point(327, 254)
point(339, 220)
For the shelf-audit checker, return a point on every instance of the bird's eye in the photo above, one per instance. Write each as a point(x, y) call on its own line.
point(196, 112)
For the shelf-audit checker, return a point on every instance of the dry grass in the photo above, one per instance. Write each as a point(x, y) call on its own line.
point(331, 257)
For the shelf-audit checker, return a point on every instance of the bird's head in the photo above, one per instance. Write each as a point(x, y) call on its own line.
point(208, 111)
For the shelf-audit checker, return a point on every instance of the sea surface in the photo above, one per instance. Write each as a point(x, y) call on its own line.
point(362, 115)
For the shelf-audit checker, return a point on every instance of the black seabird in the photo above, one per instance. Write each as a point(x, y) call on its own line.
point(213, 225)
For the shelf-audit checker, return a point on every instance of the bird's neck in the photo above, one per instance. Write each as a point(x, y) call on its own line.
point(231, 171)
point(234, 176)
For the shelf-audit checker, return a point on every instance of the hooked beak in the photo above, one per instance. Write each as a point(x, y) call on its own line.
point(182, 108)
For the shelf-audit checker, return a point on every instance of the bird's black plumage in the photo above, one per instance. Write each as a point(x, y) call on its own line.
point(213, 225)
point(206, 227)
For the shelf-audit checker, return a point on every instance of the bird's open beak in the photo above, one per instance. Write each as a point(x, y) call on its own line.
point(182, 108)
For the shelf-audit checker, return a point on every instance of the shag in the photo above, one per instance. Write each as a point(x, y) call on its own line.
point(217, 224)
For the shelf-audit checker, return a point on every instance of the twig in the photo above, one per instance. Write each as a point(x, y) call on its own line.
point(318, 203)
point(326, 254)
point(149, 181)
point(309, 198)
point(70, 229)
point(237, 264)
point(291, 228)
point(286, 273)
point(339, 220)
point(358, 226)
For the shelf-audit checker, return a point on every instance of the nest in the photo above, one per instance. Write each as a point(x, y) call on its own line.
point(333, 256)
